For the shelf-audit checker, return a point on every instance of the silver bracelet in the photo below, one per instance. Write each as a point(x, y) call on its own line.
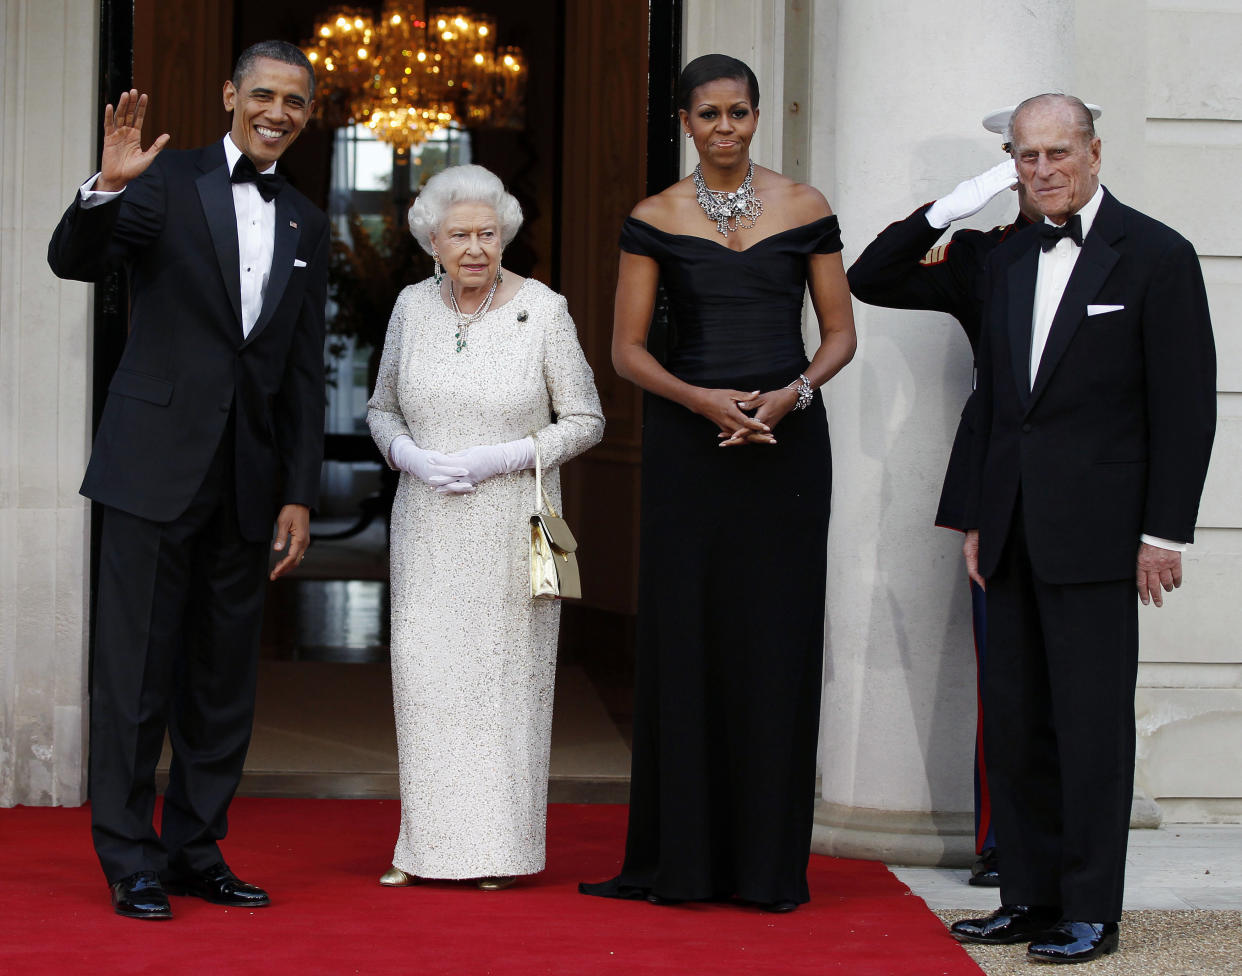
point(805, 391)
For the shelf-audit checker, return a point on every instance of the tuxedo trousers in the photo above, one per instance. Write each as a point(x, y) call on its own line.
point(1059, 733)
point(178, 618)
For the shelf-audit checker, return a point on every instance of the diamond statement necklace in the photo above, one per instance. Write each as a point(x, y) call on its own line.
point(732, 211)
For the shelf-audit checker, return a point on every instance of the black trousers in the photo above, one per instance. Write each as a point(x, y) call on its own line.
point(180, 606)
point(1059, 734)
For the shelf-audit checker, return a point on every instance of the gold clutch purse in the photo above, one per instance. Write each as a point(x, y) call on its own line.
point(553, 559)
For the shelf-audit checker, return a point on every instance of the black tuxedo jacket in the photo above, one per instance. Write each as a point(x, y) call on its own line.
point(1114, 438)
point(902, 269)
point(186, 364)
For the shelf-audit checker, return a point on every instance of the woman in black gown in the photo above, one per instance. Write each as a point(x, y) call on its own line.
point(736, 482)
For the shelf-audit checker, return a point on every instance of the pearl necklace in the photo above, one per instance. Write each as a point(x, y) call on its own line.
point(464, 321)
point(732, 211)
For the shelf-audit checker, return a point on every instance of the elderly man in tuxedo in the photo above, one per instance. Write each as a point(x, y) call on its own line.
point(1097, 409)
point(213, 427)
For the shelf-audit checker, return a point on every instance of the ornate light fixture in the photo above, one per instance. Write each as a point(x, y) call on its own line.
point(408, 74)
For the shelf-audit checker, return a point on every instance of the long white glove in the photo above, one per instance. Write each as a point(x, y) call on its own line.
point(488, 460)
point(430, 467)
point(971, 196)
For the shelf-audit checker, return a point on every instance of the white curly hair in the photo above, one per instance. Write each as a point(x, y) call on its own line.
point(462, 184)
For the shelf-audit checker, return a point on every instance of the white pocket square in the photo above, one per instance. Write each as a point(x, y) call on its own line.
point(1101, 309)
point(299, 263)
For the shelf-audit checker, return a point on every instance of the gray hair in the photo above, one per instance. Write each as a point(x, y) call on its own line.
point(1085, 122)
point(281, 51)
point(463, 184)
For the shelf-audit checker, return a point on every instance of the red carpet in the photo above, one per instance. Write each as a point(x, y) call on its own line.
point(320, 860)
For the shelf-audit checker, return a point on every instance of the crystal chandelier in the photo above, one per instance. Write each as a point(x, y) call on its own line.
point(406, 74)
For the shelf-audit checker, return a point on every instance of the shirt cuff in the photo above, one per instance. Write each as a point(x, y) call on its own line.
point(1159, 543)
point(94, 198)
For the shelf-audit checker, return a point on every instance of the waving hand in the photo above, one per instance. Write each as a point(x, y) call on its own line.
point(123, 156)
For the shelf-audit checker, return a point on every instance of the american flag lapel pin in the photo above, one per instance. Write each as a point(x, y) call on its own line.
point(293, 224)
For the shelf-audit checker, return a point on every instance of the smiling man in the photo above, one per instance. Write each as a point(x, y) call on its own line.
point(1096, 414)
point(212, 430)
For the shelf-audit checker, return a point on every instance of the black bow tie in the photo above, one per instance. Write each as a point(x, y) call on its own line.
point(1050, 233)
point(268, 184)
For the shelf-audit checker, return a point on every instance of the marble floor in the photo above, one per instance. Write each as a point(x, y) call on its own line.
point(323, 717)
point(325, 729)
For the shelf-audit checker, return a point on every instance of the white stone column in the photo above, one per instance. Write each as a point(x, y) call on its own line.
point(909, 84)
point(752, 31)
point(47, 138)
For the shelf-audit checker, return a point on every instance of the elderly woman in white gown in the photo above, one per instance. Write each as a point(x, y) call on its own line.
point(481, 369)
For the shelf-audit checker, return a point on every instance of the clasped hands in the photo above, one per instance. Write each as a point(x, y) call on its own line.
point(461, 472)
point(745, 418)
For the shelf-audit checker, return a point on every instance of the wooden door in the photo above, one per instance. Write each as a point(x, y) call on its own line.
point(604, 135)
point(183, 52)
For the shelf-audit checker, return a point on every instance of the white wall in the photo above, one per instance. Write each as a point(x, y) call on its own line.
point(898, 717)
point(1190, 679)
point(47, 132)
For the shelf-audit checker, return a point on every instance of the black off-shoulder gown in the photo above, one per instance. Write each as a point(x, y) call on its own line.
point(731, 588)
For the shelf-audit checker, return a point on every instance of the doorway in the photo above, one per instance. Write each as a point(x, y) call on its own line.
point(599, 133)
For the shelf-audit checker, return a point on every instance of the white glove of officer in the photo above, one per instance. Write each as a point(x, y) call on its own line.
point(430, 467)
point(488, 460)
point(971, 196)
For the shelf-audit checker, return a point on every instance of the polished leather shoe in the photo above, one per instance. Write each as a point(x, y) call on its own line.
point(779, 907)
point(140, 895)
point(1075, 942)
point(218, 885)
point(495, 884)
point(1007, 925)
point(984, 872)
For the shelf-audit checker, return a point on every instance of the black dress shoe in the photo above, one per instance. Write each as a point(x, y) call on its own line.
point(984, 873)
point(140, 895)
point(1075, 942)
point(779, 907)
point(218, 885)
point(1007, 925)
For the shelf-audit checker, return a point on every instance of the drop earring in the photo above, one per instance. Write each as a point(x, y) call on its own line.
point(438, 273)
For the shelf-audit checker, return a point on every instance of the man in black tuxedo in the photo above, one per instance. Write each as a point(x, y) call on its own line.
point(213, 422)
point(1097, 409)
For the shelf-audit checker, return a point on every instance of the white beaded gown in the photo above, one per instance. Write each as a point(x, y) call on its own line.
point(473, 656)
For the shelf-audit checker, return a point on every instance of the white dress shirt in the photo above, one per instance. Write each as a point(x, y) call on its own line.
point(256, 234)
point(1055, 267)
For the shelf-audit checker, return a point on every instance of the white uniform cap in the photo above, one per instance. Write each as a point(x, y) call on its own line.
point(998, 120)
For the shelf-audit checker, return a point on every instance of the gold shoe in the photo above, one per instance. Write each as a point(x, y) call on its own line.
point(394, 877)
point(495, 884)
